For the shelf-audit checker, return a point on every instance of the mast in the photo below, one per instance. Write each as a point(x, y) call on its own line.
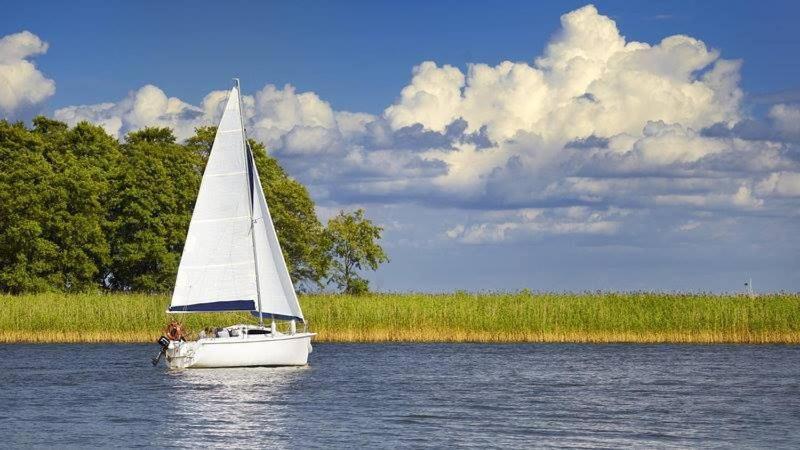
point(251, 163)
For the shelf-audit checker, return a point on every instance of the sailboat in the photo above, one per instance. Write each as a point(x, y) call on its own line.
point(232, 261)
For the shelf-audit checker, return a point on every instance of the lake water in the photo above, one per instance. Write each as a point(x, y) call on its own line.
point(388, 395)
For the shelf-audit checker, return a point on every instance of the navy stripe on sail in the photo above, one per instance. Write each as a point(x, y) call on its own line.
point(250, 170)
point(277, 316)
point(229, 305)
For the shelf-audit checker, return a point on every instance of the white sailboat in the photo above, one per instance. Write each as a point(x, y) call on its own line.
point(232, 261)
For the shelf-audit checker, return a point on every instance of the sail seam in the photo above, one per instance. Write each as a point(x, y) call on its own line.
point(225, 174)
point(224, 219)
point(221, 265)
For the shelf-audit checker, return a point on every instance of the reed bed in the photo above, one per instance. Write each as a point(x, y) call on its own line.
point(459, 317)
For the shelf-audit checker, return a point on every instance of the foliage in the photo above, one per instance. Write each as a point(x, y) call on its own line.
point(150, 210)
point(354, 247)
point(201, 142)
point(496, 317)
point(84, 160)
point(54, 182)
point(25, 174)
point(80, 211)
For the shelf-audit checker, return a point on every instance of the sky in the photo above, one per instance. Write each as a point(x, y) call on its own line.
point(554, 146)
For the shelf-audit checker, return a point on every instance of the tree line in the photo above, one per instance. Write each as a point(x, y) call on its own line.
point(83, 211)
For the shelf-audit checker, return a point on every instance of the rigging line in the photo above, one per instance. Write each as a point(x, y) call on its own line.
point(251, 168)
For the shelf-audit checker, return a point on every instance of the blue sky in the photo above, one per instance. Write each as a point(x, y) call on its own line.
point(515, 182)
point(358, 55)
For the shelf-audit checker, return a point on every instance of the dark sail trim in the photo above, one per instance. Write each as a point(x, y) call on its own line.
point(228, 305)
point(278, 316)
point(250, 169)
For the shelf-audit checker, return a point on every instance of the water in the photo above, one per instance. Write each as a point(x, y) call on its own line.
point(386, 395)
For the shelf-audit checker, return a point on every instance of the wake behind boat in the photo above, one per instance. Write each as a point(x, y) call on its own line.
point(232, 261)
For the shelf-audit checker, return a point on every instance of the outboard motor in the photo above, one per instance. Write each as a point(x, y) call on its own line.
point(163, 341)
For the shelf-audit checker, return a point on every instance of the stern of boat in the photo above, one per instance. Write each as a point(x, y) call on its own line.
point(180, 354)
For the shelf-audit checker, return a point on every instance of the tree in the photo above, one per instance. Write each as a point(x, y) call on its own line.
point(303, 240)
point(79, 211)
point(200, 144)
point(53, 183)
point(26, 255)
point(83, 160)
point(150, 210)
point(354, 247)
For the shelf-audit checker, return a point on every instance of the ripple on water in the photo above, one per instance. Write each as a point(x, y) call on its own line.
point(397, 395)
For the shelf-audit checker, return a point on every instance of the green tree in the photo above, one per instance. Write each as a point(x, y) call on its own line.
point(354, 247)
point(200, 144)
point(53, 182)
point(150, 210)
point(26, 254)
point(304, 243)
point(80, 211)
point(83, 160)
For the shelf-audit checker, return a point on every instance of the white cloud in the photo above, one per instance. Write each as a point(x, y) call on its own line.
point(780, 184)
point(534, 223)
point(353, 124)
point(432, 98)
point(649, 101)
point(590, 81)
point(22, 85)
point(688, 226)
point(741, 199)
point(147, 106)
point(663, 144)
point(597, 123)
point(280, 112)
point(787, 119)
point(744, 198)
point(103, 114)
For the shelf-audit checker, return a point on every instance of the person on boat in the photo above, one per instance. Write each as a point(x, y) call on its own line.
point(174, 331)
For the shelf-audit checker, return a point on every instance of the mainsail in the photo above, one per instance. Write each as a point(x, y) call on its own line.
point(232, 260)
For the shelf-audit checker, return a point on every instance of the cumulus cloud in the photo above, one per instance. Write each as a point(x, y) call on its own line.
point(22, 85)
point(590, 137)
point(524, 224)
point(787, 119)
point(781, 184)
point(589, 82)
point(147, 106)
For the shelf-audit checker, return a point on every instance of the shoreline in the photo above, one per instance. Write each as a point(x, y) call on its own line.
point(637, 317)
point(396, 337)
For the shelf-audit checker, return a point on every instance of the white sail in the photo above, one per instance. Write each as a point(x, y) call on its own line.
point(232, 261)
point(278, 298)
point(217, 268)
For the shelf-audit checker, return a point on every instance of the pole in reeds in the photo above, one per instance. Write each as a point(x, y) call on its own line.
point(749, 285)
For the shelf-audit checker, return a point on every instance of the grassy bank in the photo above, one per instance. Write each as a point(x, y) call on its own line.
point(608, 317)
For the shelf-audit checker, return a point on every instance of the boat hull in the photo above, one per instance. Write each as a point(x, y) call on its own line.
point(246, 351)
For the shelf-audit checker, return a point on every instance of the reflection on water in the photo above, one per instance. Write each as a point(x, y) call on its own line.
point(219, 403)
point(393, 395)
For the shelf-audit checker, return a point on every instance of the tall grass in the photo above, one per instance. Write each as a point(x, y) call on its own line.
point(94, 318)
point(459, 317)
point(610, 317)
